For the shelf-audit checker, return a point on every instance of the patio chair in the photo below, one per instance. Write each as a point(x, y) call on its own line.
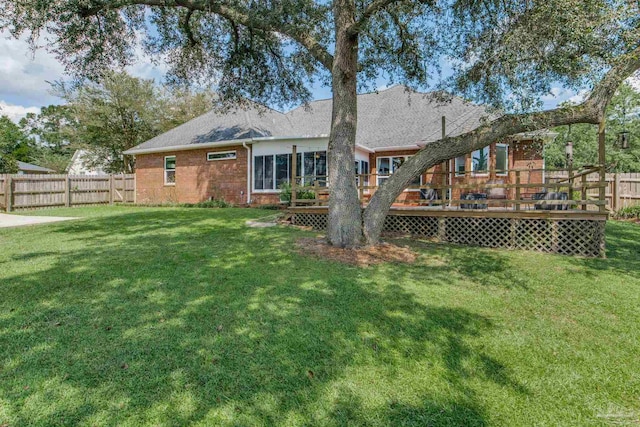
point(429, 194)
point(542, 205)
point(473, 196)
point(496, 193)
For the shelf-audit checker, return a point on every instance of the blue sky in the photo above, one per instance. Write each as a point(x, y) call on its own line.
point(24, 78)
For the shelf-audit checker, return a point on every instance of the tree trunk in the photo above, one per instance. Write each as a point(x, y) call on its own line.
point(344, 226)
point(438, 151)
point(384, 197)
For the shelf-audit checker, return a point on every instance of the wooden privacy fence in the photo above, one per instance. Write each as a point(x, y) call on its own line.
point(40, 191)
point(623, 189)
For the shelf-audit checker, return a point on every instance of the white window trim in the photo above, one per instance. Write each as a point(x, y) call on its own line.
point(277, 190)
point(378, 175)
point(221, 152)
point(253, 181)
point(359, 172)
point(506, 172)
point(269, 190)
point(165, 170)
point(473, 172)
point(455, 169)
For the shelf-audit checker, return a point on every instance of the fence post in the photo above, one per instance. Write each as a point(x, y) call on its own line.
point(112, 189)
point(124, 188)
point(602, 181)
point(67, 191)
point(8, 192)
point(517, 206)
point(444, 189)
point(583, 193)
point(316, 190)
point(294, 169)
point(442, 229)
point(615, 192)
point(135, 189)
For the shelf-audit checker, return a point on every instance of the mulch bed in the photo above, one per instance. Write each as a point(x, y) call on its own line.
point(361, 257)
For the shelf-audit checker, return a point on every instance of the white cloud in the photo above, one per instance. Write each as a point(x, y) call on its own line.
point(555, 93)
point(24, 75)
point(579, 97)
point(143, 67)
point(16, 112)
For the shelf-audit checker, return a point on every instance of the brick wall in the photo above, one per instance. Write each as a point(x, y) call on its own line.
point(427, 178)
point(522, 155)
point(265, 198)
point(197, 179)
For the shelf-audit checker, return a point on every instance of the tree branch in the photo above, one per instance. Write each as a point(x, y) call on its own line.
point(186, 25)
point(590, 111)
point(374, 7)
point(303, 38)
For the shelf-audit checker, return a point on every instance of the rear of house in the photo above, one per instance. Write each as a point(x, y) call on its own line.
point(244, 157)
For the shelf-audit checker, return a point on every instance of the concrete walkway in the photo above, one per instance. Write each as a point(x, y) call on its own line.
point(18, 220)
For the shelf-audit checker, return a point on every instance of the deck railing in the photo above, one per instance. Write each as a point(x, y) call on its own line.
point(515, 189)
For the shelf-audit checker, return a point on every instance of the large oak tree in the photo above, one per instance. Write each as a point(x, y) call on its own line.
point(502, 53)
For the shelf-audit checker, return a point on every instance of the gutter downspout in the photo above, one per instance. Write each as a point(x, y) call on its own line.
point(244, 144)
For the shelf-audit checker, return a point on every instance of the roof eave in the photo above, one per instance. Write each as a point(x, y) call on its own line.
point(134, 151)
point(397, 148)
point(183, 147)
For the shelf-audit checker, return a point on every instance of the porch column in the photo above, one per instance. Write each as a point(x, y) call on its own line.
point(601, 164)
point(294, 168)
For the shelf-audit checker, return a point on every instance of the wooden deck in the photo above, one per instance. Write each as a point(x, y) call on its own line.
point(454, 212)
point(570, 232)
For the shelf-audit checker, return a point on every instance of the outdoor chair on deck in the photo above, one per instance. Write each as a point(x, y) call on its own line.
point(473, 196)
point(429, 194)
point(542, 205)
point(496, 193)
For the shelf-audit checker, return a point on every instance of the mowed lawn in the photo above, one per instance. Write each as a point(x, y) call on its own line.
point(167, 316)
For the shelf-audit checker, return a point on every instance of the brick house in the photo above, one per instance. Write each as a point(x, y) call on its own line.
point(244, 156)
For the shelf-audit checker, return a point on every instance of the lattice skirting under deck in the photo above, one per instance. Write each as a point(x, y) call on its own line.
point(583, 237)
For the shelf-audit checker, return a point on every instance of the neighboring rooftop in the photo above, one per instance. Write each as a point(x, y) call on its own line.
point(30, 168)
point(389, 118)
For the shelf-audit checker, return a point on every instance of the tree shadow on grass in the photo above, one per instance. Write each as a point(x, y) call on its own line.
point(178, 317)
point(481, 266)
point(622, 250)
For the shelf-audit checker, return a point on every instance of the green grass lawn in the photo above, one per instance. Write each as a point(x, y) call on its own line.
point(135, 316)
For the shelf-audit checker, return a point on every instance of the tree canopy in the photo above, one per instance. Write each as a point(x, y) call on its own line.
point(623, 113)
point(14, 145)
point(52, 132)
point(106, 117)
point(503, 53)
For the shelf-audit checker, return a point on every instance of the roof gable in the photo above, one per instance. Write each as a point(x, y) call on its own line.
point(388, 118)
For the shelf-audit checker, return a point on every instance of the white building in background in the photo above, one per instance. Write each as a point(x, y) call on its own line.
point(79, 165)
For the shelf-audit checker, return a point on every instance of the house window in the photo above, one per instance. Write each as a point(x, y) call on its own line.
point(221, 155)
point(502, 159)
point(459, 165)
point(170, 170)
point(388, 165)
point(480, 161)
point(263, 172)
point(273, 170)
point(362, 168)
point(282, 169)
point(315, 168)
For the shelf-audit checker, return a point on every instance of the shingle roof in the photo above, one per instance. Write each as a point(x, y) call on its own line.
point(389, 118)
point(28, 167)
